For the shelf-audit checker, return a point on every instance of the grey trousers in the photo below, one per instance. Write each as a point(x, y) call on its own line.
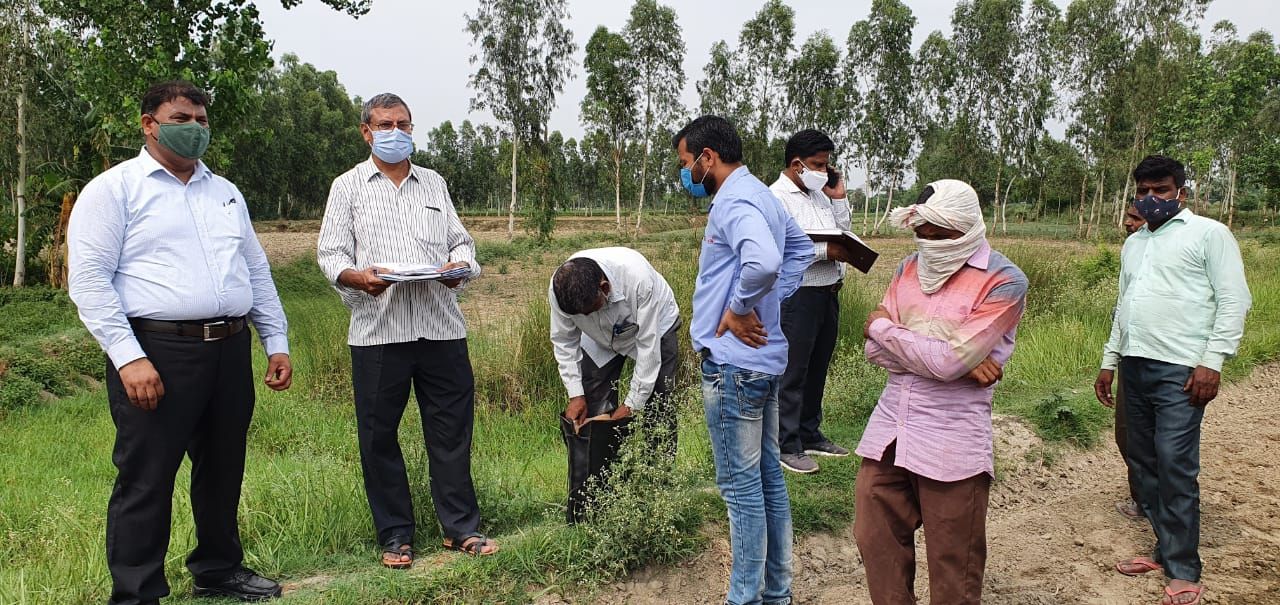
point(1164, 457)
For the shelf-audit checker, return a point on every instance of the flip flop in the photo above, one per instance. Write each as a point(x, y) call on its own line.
point(399, 547)
point(475, 547)
point(1197, 589)
point(1126, 508)
point(1144, 562)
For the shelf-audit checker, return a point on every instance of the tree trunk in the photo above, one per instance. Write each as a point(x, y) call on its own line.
point(893, 186)
point(617, 186)
point(1004, 207)
point(511, 210)
point(644, 169)
point(995, 204)
point(1231, 214)
point(1084, 183)
point(866, 194)
point(57, 256)
point(20, 249)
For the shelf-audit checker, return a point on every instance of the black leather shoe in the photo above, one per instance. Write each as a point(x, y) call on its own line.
point(244, 584)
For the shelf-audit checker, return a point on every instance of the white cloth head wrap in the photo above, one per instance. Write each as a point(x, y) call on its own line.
point(953, 205)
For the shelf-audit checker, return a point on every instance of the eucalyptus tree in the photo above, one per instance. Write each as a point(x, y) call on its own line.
point(764, 56)
point(817, 95)
point(657, 50)
point(880, 62)
point(610, 104)
point(523, 51)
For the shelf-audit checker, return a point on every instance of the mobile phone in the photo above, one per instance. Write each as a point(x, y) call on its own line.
point(833, 177)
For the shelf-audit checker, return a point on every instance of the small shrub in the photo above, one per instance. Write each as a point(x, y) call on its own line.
point(17, 391)
point(1075, 420)
point(1103, 265)
point(643, 511)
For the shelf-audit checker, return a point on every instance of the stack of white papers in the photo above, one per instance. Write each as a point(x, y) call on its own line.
point(405, 272)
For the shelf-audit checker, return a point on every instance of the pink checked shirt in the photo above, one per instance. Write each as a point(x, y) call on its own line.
point(940, 418)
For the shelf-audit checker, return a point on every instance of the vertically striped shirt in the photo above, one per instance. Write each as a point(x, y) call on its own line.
point(368, 221)
point(941, 418)
point(814, 210)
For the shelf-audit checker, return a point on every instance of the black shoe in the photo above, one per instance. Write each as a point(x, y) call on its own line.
point(825, 448)
point(244, 584)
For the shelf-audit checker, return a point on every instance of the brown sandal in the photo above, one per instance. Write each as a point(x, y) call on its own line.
point(472, 544)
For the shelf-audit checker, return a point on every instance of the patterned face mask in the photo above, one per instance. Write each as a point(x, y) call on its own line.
point(1156, 209)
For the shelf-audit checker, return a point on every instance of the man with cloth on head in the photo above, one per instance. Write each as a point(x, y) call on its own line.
point(944, 330)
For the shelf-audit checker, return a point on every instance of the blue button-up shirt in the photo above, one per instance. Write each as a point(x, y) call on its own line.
point(753, 256)
point(142, 243)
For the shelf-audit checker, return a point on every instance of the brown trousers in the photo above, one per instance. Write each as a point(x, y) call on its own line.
point(892, 503)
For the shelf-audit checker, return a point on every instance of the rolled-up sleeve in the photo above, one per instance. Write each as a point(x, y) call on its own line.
point(95, 238)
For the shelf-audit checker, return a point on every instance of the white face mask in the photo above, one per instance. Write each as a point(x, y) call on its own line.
point(813, 181)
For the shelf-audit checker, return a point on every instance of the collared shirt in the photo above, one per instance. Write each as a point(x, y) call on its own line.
point(1183, 295)
point(753, 256)
point(640, 309)
point(369, 221)
point(940, 418)
point(143, 244)
point(814, 210)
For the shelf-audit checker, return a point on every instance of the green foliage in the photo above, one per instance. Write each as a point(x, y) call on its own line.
point(1104, 265)
point(1076, 420)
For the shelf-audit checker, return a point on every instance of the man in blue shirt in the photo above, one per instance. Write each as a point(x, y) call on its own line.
point(753, 256)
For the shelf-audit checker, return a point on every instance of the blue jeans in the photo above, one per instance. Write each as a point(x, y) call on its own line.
point(742, 417)
point(1164, 457)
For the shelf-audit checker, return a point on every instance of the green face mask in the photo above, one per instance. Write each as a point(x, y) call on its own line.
point(187, 139)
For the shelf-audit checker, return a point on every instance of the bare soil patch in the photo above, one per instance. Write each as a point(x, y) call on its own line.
point(1053, 533)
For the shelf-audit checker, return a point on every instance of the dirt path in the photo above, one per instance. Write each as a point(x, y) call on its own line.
point(1053, 532)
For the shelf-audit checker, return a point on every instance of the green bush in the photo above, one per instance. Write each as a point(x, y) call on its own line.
point(17, 391)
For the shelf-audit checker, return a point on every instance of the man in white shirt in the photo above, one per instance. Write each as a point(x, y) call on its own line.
point(166, 273)
point(607, 305)
point(386, 210)
point(811, 316)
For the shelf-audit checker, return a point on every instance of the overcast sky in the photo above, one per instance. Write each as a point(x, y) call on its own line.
point(418, 49)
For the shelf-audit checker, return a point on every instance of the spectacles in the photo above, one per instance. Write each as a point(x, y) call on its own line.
point(388, 125)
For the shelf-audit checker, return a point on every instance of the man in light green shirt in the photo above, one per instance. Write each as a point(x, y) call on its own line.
point(1181, 311)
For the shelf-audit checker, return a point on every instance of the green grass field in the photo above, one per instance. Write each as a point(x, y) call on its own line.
point(303, 514)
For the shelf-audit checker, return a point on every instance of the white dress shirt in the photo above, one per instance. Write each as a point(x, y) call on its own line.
point(142, 244)
point(640, 309)
point(814, 210)
point(369, 221)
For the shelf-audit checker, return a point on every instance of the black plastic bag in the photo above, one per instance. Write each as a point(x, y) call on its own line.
point(592, 448)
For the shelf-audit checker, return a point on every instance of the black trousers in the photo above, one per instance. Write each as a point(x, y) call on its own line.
point(810, 319)
point(204, 414)
point(440, 373)
point(600, 387)
point(1164, 457)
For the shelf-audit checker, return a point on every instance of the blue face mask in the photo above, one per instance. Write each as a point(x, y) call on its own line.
point(1156, 209)
point(392, 146)
point(686, 178)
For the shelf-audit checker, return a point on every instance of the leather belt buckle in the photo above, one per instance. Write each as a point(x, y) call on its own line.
point(209, 331)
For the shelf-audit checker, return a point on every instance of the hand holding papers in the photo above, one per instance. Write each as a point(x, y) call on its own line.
point(402, 272)
point(861, 256)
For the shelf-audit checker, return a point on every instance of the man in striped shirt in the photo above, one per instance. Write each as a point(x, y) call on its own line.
point(811, 316)
point(386, 210)
point(943, 331)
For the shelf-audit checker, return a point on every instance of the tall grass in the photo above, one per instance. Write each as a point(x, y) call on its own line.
point(304, 514)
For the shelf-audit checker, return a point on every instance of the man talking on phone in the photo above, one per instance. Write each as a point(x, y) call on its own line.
point(814, 195)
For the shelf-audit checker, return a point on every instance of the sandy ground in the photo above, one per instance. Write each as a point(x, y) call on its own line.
point(1053, 533)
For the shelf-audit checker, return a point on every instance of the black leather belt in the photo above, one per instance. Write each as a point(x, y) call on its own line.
point(208, 330)
point(833, 288)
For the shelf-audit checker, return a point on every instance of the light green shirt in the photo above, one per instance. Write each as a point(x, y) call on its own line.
point(1183, 295)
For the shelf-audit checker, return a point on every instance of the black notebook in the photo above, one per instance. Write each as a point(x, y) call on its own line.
point(863, 256)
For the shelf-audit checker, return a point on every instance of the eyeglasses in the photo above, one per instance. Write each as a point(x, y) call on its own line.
point(388, 125)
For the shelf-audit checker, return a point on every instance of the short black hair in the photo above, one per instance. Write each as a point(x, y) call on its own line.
point(1157, 167)
point(710, 132)
point(576, 285)
point(162, 93)
point(925, 194)
point(806, 144)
